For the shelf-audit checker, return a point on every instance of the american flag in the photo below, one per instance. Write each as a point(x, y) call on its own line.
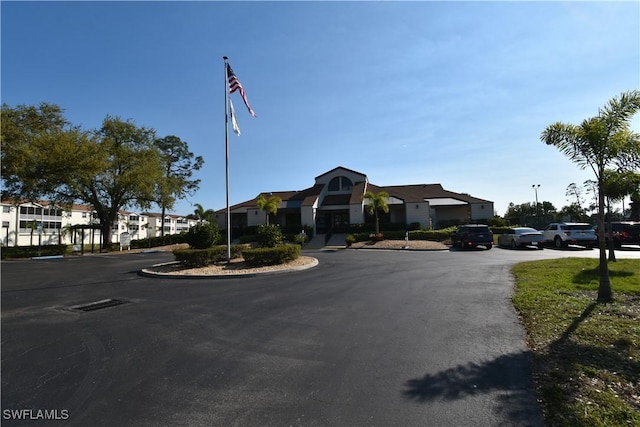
point(234, 85)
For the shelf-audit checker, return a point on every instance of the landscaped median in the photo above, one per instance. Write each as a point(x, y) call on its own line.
point(586, 354)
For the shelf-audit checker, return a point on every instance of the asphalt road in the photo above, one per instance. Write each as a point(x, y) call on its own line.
point(375, 338)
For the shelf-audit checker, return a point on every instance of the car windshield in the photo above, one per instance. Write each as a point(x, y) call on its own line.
point(585, 227)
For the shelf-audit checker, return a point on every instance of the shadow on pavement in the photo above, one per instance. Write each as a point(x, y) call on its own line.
point(507, 374)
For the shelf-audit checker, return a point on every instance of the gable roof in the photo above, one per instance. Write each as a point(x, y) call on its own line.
point(341, 168)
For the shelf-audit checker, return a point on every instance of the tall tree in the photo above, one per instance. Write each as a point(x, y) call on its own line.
point(596, 143)
point(41, 151)
point(377, 202)
point(131, 167)
point(179, 164)
point(268, 205)
point(574, 192)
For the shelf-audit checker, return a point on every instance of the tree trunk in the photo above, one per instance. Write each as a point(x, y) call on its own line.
point(605, 293)
point(106, 234)
point(162, 220)
point(612, 250)
point(377, 223)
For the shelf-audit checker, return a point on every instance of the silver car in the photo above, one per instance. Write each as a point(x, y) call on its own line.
point(520, 237)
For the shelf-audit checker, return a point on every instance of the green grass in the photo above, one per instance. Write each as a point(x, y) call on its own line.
point(586, 354)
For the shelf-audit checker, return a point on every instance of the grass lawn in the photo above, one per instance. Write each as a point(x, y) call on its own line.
point(586, 354)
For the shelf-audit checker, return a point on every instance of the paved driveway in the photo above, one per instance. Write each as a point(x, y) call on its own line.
point(380, 338)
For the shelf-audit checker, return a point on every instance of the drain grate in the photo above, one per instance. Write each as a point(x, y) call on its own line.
point(99, 305)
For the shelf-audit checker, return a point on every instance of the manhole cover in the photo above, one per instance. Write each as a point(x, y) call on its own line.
point(99, 305)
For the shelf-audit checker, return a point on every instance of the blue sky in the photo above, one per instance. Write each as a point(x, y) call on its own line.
point(455, 93)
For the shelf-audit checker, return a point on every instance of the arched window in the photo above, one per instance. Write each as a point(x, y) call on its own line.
point(340, 183)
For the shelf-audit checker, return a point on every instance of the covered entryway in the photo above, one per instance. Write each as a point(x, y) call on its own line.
point(332, 221)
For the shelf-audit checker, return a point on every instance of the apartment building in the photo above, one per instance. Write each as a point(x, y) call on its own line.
point(43, 223)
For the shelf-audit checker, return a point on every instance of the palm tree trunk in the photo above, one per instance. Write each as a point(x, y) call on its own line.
point(612, 250)
point(605, 293)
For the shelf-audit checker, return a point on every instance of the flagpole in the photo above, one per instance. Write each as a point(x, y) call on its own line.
point(226, 145)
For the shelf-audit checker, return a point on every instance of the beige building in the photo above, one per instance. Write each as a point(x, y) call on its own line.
point(335, 201)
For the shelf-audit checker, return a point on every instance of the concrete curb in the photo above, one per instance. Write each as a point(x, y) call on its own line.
point(149, 273)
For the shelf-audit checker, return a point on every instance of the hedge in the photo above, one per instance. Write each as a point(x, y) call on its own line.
point(270, 256)
point(169, 239)
point(32, 251)
point(434, 235)
point(194, 258)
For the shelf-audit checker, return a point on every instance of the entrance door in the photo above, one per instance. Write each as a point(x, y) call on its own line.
point(340, 222)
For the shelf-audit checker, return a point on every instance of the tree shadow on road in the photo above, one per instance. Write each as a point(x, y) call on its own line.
point(508, 374)
point(511, 376)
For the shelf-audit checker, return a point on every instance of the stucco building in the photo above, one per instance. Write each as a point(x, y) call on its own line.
point(31, 223)
point(335, 201)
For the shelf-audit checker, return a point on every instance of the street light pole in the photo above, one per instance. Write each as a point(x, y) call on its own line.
point(535, 188)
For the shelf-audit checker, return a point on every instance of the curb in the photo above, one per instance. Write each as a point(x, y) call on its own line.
point(149, 273)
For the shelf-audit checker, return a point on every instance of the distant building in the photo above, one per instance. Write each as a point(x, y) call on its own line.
point(47, 224)
point(335, 202)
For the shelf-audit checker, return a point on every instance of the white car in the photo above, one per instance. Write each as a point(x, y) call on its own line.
point(520, 237)
point(563, 234)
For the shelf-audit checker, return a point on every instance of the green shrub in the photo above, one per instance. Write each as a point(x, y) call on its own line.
point(359, 237)
point(249, 238)
point(194, 258)
point(152, 242)
point(299, 239)
point(32, 251)
point(270, 256)
point(269, 236)
point(203, 235)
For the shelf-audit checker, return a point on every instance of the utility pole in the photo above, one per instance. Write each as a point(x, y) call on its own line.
point(535, 188)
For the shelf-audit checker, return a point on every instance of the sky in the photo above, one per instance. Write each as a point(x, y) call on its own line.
point(456, 93)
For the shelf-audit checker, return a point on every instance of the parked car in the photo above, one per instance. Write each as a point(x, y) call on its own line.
point(624, 233)
point(520, 237)
point(472, 235)
point(563, 234)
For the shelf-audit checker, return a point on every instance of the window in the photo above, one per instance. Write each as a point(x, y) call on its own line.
point(134, 218)
point(27, 210)
point(5, 224)
point(6, 209)
point(340, 183)
point(84, 214)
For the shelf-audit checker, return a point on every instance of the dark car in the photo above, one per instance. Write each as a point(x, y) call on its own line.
point(624, 233)
point(472, 235)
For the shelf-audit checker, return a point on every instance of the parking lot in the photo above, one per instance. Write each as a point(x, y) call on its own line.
point(366, 338)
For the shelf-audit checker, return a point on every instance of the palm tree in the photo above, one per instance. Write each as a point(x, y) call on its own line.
point(32, 225)
point(596, 143)
point(376, 202)
point(199, 212)
point(270, 205)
